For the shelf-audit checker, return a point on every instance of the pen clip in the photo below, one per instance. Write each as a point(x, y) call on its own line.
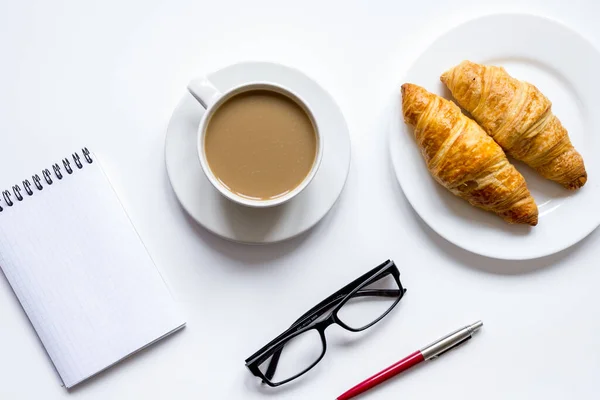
point(454, 346)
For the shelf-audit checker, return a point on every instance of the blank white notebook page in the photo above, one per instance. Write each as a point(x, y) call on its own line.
point(82, 274)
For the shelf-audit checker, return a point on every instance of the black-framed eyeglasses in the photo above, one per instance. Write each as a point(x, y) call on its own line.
point(356, 307)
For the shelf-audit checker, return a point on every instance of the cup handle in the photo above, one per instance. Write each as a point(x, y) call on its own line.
point(204, 92)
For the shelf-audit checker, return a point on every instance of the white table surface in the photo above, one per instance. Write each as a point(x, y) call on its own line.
point(108, 74)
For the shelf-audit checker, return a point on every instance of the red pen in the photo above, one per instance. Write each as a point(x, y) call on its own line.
point(427, 353)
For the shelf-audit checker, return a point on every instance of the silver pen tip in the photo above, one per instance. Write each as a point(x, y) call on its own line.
point(476, 326)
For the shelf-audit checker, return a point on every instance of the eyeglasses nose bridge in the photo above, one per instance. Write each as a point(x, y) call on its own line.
point(323, 340)
point(322, 325)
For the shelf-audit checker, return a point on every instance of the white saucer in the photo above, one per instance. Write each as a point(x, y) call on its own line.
point(564, 66)
point(249, 225)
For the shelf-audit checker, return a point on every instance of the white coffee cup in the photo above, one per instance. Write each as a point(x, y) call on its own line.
point(211, 99)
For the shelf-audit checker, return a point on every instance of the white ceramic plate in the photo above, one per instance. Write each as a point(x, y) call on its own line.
point(564, 66)
point(251, 225)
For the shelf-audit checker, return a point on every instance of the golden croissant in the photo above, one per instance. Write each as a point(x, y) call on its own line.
point(464, 159)
point(519, 118)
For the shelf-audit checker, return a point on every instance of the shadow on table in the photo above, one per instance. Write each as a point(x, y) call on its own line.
point(492, 265)
point(137, 357)
point(250, 254)
point(255, 254)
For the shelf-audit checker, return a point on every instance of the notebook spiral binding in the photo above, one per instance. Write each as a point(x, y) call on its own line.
point(27, 188)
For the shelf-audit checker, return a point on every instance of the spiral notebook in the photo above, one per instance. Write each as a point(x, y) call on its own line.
point(79, 269)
